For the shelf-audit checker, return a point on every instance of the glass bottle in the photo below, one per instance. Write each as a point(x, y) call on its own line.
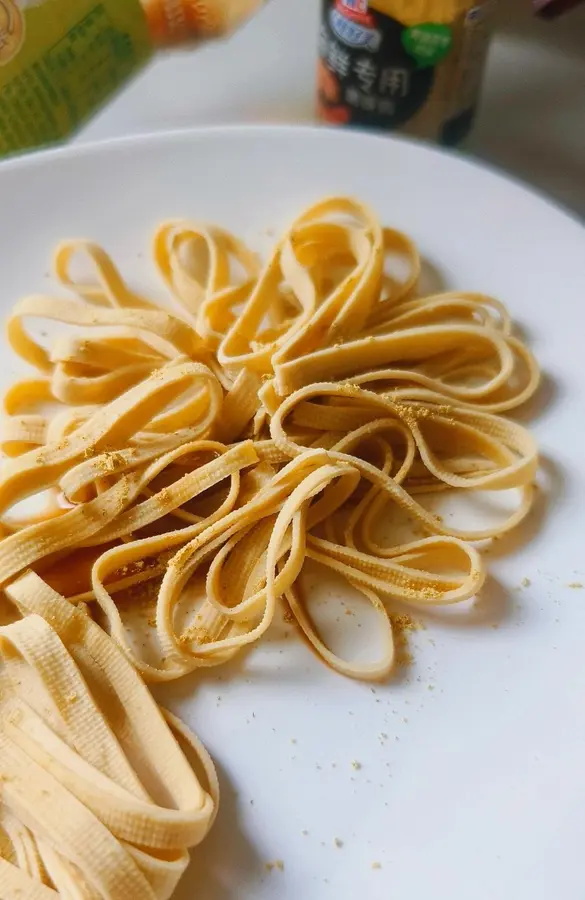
point(413, 66)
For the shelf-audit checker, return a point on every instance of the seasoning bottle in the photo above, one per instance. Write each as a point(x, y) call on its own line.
point(61, 60)
point(413, 66)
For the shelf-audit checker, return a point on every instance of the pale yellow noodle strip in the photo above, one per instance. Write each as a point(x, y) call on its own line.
point(236, 349)
point(366, 671)
point(195, 281)
point(514, 448)
point(110, 290)
point(409, 345)
point(246, 553)
point(15, 884)
point(171, 329)
point(186, 488)
point(28, 546)
point(204, 539)
point(111, 426)
point(70, 387)
point(114, 834)
point(477, 308)
point(240, 405)
point(20, 430)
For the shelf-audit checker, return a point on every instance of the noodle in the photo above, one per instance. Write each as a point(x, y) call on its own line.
point(277, 414)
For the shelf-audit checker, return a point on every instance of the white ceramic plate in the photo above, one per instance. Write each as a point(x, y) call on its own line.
point(471, 783)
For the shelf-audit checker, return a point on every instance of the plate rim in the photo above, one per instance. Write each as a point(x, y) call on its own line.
point(37, 159)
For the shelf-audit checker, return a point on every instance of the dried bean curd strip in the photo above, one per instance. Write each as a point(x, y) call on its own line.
point(199, 456)
point(110, 803)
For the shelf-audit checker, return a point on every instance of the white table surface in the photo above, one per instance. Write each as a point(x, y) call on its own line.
point(531, 123)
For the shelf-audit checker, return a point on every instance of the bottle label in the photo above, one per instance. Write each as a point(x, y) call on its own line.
point(60, 60)
point(381, 68)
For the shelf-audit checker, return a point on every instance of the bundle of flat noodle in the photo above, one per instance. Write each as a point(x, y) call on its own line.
point(196, 457)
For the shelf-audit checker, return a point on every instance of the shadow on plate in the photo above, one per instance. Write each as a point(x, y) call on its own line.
point(432, 280)
point(546, 495)
point(493, 606)
point(214, 873)
point(546, 395)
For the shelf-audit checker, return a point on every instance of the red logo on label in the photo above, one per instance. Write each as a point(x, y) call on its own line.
point(357, 11)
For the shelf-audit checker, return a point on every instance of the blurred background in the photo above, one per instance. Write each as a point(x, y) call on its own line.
point(531, 120)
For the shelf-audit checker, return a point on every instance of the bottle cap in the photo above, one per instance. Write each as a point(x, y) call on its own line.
point(174, 22)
